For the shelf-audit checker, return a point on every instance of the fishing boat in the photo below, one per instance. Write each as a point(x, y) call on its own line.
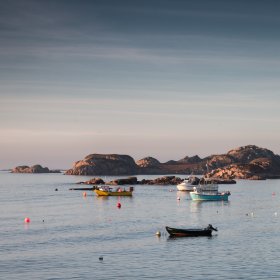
point(108, 191)
point(200, 195)
point(176, 232)
point(188, 184)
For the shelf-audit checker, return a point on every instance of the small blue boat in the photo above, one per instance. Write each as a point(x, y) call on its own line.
point(209, 196)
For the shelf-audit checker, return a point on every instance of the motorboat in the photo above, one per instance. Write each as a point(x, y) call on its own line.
point(108, 191)
point(188, 184)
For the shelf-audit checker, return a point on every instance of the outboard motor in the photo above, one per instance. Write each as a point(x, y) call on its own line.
point(211, 227)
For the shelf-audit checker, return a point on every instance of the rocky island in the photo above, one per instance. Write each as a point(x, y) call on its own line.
point(247, 162)
point(33, 169)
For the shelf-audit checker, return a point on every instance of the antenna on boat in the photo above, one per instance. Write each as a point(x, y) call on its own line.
point(207, 167)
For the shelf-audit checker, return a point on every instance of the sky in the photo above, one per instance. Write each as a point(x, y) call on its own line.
point(159, 78)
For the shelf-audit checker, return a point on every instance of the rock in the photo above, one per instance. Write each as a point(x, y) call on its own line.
point(194, 159)
point(240, 163)
point(98, 164)
point(256, 170)
point(248, 153)
point(150, 165)
point(93, 181)
point(148, 162)
point(33, 169)
point(124, 181)
point(171, 162)
point(217, 161)
point(247, 162)
point(21, 169)
point(166, 180)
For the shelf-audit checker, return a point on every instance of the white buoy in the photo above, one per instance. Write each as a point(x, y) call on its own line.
point(158, 233)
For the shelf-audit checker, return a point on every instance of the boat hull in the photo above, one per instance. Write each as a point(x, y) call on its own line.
point(185, 187)
point(209, 197)
point(112, 193)
point(174, 232)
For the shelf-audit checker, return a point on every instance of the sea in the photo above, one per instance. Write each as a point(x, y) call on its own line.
point(76, 236)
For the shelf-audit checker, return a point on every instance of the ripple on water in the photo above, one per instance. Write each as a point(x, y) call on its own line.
point(76, 231)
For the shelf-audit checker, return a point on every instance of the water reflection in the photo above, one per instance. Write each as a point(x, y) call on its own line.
point(196, 206)
point(184, 195)
point(173, 238)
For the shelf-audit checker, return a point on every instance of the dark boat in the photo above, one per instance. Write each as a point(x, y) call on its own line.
point(176, 232)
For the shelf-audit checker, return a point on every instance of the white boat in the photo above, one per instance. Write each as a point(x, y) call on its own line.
point(188, 184)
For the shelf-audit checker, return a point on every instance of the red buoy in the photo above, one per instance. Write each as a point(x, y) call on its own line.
point(84, 194)
point(119, 205)
point(27, 220)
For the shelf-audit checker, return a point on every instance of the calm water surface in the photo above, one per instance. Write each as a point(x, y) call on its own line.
point(68, 232)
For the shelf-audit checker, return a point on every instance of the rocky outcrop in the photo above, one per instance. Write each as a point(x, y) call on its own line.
point(150, 165)
point(93, 181)
point(244, 162)
point(257, 169)
point(33, 169)
point(148, 162)
point(248, 153)
point(217, 161)
point(194, 159)
point(166, 180)
point(99, 164)
point(124, 181)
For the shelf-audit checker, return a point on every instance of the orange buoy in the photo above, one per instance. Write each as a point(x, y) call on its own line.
point(84, 194)
point(119, 205)
point(27, 220)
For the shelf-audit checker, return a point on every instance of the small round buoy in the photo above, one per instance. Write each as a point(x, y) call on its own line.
point(119, 205)
point(178, 198)
point(84, 194)
point(27, 220)
point(101, 258)
point(158, 233)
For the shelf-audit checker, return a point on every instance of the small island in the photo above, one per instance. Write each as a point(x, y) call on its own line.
point(37, 168)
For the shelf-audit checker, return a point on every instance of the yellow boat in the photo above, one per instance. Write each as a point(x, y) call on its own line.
point(107, 191)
